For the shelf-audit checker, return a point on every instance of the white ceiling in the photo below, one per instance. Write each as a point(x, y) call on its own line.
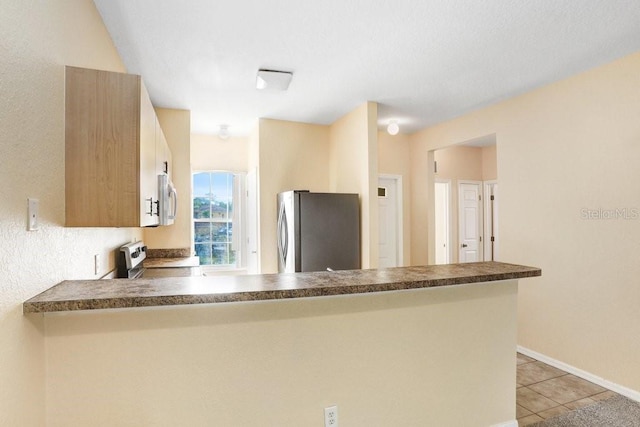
point(423, 61)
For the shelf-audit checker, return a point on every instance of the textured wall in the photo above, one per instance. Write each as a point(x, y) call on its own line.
point(37, 38)
point(409, 358)
point(564, 149)
point(208, 152)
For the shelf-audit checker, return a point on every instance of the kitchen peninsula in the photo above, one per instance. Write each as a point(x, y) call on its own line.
point(130, 293)
point(432, 345)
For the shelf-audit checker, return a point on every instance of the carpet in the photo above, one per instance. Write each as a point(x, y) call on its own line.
point(617, 411)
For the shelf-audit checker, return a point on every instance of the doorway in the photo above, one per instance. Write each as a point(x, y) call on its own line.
point(390, 221)
point(443, 221)
point(471, 162)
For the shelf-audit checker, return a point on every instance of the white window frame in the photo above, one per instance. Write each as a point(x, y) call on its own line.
point(238, 221)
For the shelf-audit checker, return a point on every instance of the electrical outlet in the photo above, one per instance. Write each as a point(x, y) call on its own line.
point(96, 264)
point(331, 416)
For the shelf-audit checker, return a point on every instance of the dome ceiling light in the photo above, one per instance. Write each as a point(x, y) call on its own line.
point(393, 128)
point(223, 133)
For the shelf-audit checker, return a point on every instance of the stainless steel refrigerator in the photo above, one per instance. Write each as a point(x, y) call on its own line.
point(318, 231)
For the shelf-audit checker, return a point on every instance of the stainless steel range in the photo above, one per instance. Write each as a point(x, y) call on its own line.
point(130, 260)
point(131, 264)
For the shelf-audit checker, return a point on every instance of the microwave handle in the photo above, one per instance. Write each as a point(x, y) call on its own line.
point(174, 193)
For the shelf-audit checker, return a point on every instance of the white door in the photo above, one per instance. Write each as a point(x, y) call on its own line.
point(388, 222)
point(253, 263)
point(470, 221)
point(442, 235)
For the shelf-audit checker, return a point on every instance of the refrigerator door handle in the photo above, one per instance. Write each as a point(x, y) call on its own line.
point(285, 226)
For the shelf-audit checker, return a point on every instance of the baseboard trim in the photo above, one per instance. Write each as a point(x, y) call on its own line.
point(631, 394)
point(512, 423)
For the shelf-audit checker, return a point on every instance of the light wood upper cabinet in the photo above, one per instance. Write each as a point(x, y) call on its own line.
point(111, 167)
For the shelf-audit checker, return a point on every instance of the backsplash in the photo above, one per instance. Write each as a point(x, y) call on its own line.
point(169, 253)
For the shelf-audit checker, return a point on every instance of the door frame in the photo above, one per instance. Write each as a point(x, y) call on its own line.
point(399, 214)
point(480, 217)
point(252, 222)
point(449, 216)
point(487, 221)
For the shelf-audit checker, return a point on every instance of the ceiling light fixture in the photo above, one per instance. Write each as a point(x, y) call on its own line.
point(393, 127)
point(273, 79)
point(223, 133)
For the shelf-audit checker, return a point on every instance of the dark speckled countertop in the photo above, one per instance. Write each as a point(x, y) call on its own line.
point(130, 293)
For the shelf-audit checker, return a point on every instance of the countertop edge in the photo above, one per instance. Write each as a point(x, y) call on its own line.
point(40, 303)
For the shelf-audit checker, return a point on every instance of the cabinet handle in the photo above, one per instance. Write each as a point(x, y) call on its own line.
point(151, 203)
point(166, 167)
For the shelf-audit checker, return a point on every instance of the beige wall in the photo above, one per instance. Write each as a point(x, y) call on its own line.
point(354, 169)
point(208, 152)
point(394, 158)
point(176, 125)
point(489, 163)
point(459, 163)
point(566, 147)
point(396, 359)
point(37, 40)
point(467, 163)
point(292, 156)
point(421, 175)
point(253, 148)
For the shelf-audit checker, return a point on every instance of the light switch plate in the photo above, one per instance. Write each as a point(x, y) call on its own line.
point(32, 214)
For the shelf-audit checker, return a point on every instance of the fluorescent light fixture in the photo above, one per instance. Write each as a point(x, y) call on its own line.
point(393, 128)
point(273, 80)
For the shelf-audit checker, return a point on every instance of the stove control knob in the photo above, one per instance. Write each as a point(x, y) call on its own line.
point(135, 254)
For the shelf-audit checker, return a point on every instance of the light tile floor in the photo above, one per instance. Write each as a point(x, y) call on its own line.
point(544, 391)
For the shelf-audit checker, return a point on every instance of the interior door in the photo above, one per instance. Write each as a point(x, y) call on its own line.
point(470, 221)
point(387, 223)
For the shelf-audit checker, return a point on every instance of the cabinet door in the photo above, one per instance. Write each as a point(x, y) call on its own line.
point(102, 112)
point(148, 176)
